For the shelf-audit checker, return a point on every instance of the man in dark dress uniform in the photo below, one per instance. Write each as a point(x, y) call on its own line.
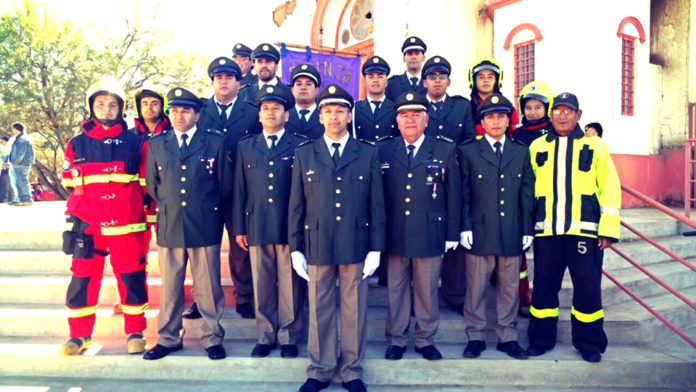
point(413, 50)
point(241, 54)
point(304, 116)
point(337, 226)
point(189, 174)
point(422, 194)
point(375, 116)
point(262, 177)
point(266, 58)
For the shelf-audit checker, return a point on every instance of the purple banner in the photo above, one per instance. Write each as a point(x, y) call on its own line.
point(341, 70)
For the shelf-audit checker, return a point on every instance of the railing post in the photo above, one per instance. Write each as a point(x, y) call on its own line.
point(690, 162)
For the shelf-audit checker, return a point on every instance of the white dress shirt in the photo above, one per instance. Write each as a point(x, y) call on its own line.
point(189, 133)
point(342, 141)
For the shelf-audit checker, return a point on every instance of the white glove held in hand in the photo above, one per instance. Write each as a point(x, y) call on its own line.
point(371, 263)
point(450, 245)
point(527, 241)
point(299, 264)
point(466, 238)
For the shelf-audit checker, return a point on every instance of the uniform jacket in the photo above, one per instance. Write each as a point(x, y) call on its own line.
point(454, 121)
point(22, 152)
point(262, 188)
point(248, 93)
point(191, 190)
point(336, 216)
point(102, 168)
point(243, 119)
point(248, 79)
point(375, 126)
point(312, 129)
point(496, 203)
point(589, 185)
point(418, 224)
point(399, 84)
point(527, 133)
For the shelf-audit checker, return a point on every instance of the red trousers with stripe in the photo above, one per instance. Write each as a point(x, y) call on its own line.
point(128, 263)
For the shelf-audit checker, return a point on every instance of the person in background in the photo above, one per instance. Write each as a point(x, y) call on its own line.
point(21, 159)
point(5, 186)
point(594, 129)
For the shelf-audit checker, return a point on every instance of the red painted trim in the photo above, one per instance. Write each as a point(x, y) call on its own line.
point(524, 26)
point(317, 21)
point(496, 4)
point(338, 23)
point(634, 21)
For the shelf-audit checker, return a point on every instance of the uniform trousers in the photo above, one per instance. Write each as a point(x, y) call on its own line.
point(322, 342)
point(205, 270)
point(129, 270)
point(478, 272)
point(240, 270)
point(424, 273)
point(583, 258)
point(278, 295)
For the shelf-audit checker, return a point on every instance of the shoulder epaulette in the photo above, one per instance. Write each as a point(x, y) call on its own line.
point(215, 132)
point(247, 136)
point(444, 139)
point(459, 98)
point(467, 141)
point(305, 143)
point(160, 134)
point(300, 135)
point(366, 142)
point(518, 142)
point(384, 138)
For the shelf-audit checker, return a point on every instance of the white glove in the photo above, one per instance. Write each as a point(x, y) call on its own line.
point(450, 245)
point(299, 264)
point(527, 242)
point(466, 238)
point(371, 263)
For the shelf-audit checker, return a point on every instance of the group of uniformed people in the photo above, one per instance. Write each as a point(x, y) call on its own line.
point(451, 194)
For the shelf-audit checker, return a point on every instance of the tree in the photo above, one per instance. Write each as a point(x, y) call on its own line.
point(47, 66)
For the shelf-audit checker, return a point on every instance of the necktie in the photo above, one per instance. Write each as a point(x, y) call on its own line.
point(335, 155)
point(498, 151)
point(411, 155)
point(273, 139)
point(437, 106)
point(223, 112)
point(303, 117)
point(183, 146)
point(414, 82)
point(376, 103)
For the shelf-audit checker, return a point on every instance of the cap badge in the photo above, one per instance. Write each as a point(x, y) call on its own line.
point(375, 60)
point(304, 66)
point(222, 61)
point(413, 40)
point(409, 97)
point(265, 47)
point(239, 46)
point(533, 88)
point(495, 100)
point(269, 89)
point(564, 96)
point(332, 90)
point(437, 60)
point(178, 92)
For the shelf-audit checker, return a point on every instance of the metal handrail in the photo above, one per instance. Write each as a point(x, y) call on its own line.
point(689, 161)
point(657, 205)
point(650, 309)
point(658, 246)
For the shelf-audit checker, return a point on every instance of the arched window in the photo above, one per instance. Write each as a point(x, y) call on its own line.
point(629, 29)
point(524, 53)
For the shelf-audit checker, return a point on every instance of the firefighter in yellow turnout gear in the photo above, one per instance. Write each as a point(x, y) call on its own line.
point(578, 199)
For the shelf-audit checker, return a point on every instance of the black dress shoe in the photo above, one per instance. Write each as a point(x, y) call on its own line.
point(262, 350)
point(474, 348)
point(591, 356)
point(513, 349)
point(394, 353)
point(535, 351)
point(313, 385)
point(288, 351)
point(216, 352)
point(160, 351)
point(192, 312)
point(355, 385)
point(246, 311)
point(430, 352)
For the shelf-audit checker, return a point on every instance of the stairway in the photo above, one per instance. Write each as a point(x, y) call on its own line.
point(642, 355)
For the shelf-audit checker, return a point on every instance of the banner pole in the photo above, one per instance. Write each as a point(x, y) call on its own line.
point(321, 49)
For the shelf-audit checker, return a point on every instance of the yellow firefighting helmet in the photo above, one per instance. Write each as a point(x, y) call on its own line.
point(105, 86)
point(538, 90)
point(150, 89)
point(486, 63)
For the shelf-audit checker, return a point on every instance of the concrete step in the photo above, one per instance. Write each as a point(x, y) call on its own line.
point(622, 367)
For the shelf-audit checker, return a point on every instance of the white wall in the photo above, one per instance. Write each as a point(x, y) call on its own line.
point(581, 53)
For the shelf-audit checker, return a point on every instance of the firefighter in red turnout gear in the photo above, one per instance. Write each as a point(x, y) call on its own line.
point(106, 217)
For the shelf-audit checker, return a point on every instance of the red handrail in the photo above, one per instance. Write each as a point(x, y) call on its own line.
point(646, 199)
point(653, 277)
point(650, 309)
point(658, 246)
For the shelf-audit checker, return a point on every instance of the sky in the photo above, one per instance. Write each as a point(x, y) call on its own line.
point(207, 27)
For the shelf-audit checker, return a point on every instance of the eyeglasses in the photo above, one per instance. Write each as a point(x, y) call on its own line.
point(558, 112)
point(433, 76)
